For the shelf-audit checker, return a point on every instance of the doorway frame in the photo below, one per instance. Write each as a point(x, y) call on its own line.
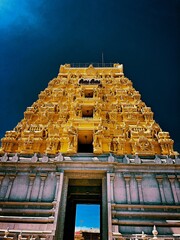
point(104, 211)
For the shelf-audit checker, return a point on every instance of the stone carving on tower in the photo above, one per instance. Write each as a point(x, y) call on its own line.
point(97, 106)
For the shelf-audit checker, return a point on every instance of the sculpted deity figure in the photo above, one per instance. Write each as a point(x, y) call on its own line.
point(29, 142)
point(53, 130)
point(114, 144)
point(97, 109)
point(96, 92)
point(155, 130)
point(78, 109)
point(53, 145)
point(98, 137)
point(72, 136)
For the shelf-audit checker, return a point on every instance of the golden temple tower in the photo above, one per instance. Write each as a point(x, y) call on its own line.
point(89, 110)
point(89, 138)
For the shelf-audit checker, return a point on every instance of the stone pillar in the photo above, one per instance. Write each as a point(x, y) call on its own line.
point(43, 178)
point(160, 180)
point(58, 174)
point(62, 212)
point(172, 179)
point(11, 180)
point(2, 175)
point(58, 196)
point(31, 177)
point(109, 206)
point(104, 209)
point(139, 180)
point(127, 180)
point(112, 187)
point(178, 178)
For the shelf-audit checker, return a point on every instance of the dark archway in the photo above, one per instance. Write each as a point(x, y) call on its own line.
point(85, 148)
point(85, 141)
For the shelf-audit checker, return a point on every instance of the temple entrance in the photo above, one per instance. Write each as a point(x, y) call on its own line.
point(81, 191)
point(85, 141)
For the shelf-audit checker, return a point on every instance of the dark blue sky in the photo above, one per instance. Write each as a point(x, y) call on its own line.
point(37, 36)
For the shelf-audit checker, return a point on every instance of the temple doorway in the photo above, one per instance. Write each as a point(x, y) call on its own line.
point(85, 141)
point(81, 191)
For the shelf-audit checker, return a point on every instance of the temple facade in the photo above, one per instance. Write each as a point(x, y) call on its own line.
point(89, 138)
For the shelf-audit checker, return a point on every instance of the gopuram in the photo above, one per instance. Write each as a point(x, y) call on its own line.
point(89, 138)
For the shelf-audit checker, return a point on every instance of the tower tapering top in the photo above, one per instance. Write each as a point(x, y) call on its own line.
point(89, 108)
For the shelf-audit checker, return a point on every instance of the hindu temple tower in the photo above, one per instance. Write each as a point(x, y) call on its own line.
point(89, 138)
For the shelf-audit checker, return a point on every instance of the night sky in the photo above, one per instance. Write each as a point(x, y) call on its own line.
point(36, 36)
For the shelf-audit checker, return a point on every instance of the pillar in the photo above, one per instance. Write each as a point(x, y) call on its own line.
point(112, 186)
point(58, 196)
point(178, 178)
point(2, 175)
point(127, 180)
point(31, 177)
point(172, 179)
point(62, 213)
point(43, 178)
point(109, 206)
point(11, 180)
point(104, 222)
point(160, 180)
point(139, 181)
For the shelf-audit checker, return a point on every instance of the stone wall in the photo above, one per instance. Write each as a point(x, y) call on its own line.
point(140, 199)
point(138, 193)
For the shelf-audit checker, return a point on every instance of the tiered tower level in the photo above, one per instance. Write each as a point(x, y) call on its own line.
point(88, 109)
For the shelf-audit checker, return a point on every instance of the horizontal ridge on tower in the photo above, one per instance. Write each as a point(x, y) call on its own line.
point(82, 65)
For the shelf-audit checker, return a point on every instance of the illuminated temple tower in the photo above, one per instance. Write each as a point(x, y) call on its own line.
point(89, 138)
